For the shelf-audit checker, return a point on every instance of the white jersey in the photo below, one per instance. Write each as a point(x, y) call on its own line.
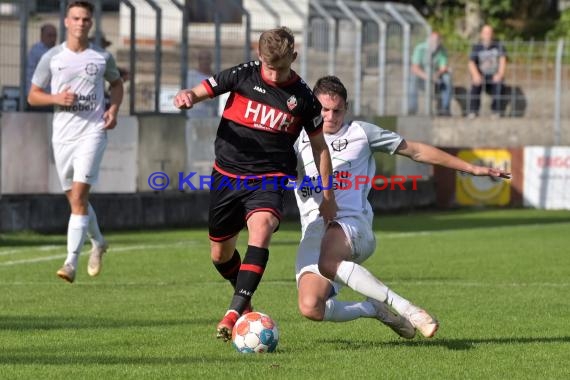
point(351, 150)
point(84, 73)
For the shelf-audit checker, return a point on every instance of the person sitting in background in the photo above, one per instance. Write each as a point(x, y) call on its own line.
point(48, 38)
point(487, 64)
point(433, 50)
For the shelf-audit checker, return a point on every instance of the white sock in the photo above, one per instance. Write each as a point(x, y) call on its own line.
point(362, 281)
point(93, 229)
point(76, 232)
point(339, 311)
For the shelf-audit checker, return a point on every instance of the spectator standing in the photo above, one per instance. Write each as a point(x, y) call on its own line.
point(433, 50)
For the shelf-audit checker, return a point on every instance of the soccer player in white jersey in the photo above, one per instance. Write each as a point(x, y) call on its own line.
point(331, 255)
point(76, 71)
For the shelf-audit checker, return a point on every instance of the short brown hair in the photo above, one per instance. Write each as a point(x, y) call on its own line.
point(275, 44)
point(81, 4)
point(330, 85)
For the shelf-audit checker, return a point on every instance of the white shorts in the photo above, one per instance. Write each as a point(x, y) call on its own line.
point(357, 230)
point(79, 161)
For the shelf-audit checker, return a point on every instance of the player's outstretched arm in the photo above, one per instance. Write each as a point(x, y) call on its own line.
point(186, 98)
point(428, 154)
point(328, 207)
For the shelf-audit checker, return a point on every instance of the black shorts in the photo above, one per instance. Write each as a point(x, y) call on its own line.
point(234, 200)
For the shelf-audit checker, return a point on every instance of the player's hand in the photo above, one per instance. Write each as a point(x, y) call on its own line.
point(184, 99)
point(110, 119)
point(491, 172)
point(66, 97)
point(328, 209)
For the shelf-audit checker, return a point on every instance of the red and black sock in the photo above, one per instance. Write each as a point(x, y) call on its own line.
point(230, 269)
point(249, 276)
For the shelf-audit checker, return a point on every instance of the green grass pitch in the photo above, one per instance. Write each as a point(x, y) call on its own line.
point(498, 281)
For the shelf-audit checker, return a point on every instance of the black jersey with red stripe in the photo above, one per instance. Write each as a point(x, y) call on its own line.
point(261, 121)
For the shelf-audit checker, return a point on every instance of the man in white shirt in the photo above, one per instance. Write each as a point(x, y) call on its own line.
point(331, 255)
point(76, 71)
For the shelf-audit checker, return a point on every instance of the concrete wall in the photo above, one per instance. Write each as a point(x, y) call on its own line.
point(119, 168)
point(482, 132)
point(26, 155)
point(162, 148)
point(28, 167)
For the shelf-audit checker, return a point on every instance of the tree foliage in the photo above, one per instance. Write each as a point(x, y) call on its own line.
point(562, 28)
point(512, 19)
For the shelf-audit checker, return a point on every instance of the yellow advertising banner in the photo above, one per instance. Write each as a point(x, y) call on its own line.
point(471, 190)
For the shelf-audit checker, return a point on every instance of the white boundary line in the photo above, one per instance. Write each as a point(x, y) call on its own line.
point(112, 250)
point(379, 235)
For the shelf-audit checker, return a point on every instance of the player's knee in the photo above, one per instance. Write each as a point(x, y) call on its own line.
point(312, 308)
point(328, 268)
point(220, 255)
point(263, 222)
point(77, 202)
point(217, 257)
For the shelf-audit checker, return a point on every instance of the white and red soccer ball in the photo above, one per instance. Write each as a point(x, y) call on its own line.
point(255, 332)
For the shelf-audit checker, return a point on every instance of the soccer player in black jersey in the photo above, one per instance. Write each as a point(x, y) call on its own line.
point(268, 106)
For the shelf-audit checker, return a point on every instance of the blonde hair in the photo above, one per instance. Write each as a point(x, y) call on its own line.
point(275, 44)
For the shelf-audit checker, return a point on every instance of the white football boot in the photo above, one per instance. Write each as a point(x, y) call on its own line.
point(96, 259)
point(399, 324)
point(67, 272)
point(422, 321)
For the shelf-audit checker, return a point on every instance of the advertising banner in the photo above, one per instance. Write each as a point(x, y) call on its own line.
point(547, 177)
point(472, 190)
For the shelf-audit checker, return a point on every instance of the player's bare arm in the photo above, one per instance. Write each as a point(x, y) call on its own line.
point(38, 97)
point(328, 207)
point(428, 154)
point(185, 99)
point(116, 92)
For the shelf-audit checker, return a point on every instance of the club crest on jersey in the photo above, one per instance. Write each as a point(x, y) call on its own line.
point(91, 69)
point(339, 144)
point(292, 102)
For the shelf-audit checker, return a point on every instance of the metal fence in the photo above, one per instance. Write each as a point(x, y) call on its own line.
point(367, 44)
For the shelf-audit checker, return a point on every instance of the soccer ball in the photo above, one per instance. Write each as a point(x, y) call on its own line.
point(255, 332)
